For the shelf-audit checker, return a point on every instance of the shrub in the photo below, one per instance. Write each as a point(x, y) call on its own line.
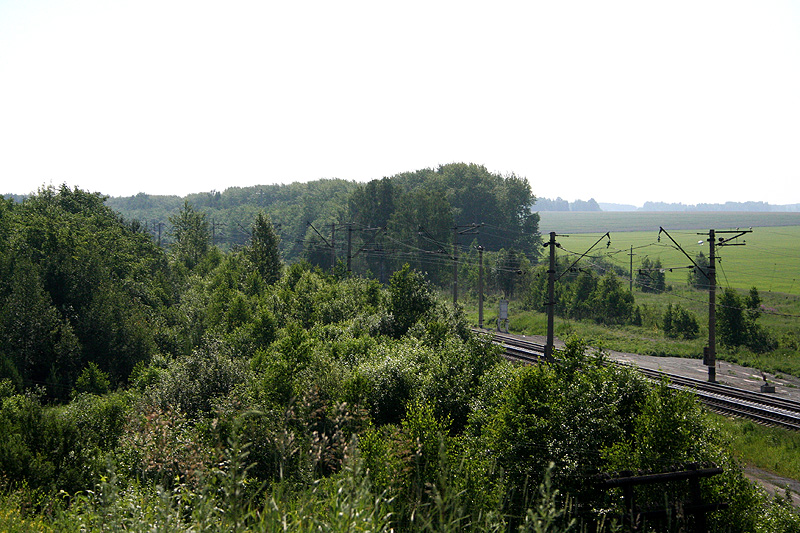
point(92, 380)
point(193, 382)
point(163, 446)
point(410, 297)
point(677, 321)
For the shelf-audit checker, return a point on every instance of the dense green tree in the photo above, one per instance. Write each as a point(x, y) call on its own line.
point(264, 250)
point(372, 205)
point(612, 303)
point(191, 234)
point(36, 338)
point(508, 271)
point(651, 276)
point(678, 322)
point(92, 380)
point(580, 294)
point(732, 327)
point(698, 276)
point(737, 321)
point(421, 227)
point(547, 204)
point(410, 297)
point(80, 285)
point(503, 203)
point(478, 196)
point(354, 396)
point(585, 205)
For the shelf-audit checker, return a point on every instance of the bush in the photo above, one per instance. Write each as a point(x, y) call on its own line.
point(677, 321)
point(192, 383)
point(410, 297)
point(51, 448)
point(92, 380)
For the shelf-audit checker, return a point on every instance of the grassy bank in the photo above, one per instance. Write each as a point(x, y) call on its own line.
point(773, 449)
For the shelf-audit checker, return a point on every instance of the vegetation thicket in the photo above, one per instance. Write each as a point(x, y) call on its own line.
point(190, 388)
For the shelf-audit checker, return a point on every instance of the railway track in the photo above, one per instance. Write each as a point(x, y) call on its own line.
point(759, 407)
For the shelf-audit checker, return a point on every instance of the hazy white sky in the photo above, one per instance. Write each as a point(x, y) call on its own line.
point(620, 101)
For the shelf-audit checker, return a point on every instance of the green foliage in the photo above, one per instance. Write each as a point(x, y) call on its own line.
point(698, 276)
point(263, 251)
point(348, 404)
point(54, 449)
point(548, 515)
point(283, 362)
point(92, 380)
point(192, 383)
point(388, 383)
point(191, 234)
point(736, 321)
point(583, 296)
point(163, 446)
point(668, 430)
point(424, 217)
point(678, 322)
point(651, 276)
point(582, 291)
point(372, 204)
point(78, 285)
point(611, 302)
point(410, 297)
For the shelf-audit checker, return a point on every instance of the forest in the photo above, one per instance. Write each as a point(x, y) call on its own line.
point(388, 222)
point(186, 385)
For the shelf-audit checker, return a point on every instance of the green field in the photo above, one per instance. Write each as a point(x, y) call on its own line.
point(768, 260)
point(585, 222)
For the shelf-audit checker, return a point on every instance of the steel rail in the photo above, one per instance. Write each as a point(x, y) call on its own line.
point(723, 399)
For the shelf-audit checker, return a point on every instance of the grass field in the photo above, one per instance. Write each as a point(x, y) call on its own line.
point(769, 258)
point(584, 222)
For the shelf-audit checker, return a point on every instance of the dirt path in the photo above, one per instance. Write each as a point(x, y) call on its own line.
point(774, 485)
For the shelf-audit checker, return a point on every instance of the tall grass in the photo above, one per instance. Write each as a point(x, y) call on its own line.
point(774, 449)
point(345, 502)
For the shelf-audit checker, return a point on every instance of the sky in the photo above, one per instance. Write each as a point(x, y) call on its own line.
point(624, 102)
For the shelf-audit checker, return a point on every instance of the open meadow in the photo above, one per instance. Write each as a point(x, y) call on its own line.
point(768, 258)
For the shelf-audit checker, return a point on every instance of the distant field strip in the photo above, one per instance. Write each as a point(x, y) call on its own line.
point(769, 259)
point(579, 222)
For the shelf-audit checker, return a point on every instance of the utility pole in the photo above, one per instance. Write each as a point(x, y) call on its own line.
point(471, 229)
point(631, 280)
point(710, 358)
point(710, 351)
point(711, 354)
point(214, 231)
point(159, 225)
point(333, 246)
point(551, 299)
point(480, 287)
point(551, 282)
point(349, 246)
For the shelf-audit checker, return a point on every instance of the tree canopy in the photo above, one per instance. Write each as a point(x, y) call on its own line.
point(78, 285)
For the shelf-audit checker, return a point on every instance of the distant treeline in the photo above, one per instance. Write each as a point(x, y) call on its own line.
point(406, 218)
point(727, 206)
point(559, 204)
